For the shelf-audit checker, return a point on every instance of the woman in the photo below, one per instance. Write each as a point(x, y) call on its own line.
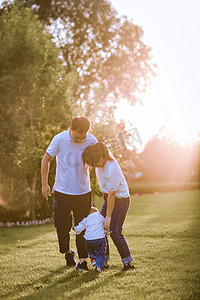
point(116, 195)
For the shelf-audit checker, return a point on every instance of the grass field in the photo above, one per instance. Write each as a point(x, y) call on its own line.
point(163, 233)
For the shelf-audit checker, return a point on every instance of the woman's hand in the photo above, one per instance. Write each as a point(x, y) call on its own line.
point(106, 223)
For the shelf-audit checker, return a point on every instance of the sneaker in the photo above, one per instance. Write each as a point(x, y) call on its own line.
point(93, 261)
point(99, 270)
point(128, 267)
point(70, 259)
point(82, 266)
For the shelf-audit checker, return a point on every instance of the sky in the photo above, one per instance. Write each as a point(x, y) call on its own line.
point(172, 30)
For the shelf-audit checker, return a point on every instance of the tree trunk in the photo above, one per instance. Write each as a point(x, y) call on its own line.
point(33, 189)
point(35, 176)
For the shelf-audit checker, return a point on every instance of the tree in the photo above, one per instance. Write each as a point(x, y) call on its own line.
point(36, 102)
point(164, 159)
point(106, 50)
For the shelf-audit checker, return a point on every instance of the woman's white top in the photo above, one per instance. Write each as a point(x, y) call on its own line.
point(93, 224)
point(111, 179)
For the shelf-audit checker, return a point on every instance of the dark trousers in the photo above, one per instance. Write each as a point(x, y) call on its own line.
point(117, 220)
point(97, 249)
point(64, 207)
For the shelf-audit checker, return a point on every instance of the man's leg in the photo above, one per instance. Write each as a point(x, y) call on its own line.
point(82, 204)
point(62, 222)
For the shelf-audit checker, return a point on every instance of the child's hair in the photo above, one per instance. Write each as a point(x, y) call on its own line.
point(93, 209)
point(80, 124)
point(92, 154)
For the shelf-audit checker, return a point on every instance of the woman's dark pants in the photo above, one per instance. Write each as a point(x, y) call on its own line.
point(117, 220)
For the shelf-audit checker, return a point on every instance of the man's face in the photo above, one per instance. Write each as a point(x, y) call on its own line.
point(77, 136)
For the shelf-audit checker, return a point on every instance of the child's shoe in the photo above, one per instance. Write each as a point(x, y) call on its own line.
point(99, 270)
point(93, 261)
point(82, 266)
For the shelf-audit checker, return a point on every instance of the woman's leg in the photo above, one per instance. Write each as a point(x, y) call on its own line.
point(117, 221)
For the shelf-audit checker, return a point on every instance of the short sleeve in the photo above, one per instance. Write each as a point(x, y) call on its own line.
point(113, 180)
point(92, 139)
point(53, 148)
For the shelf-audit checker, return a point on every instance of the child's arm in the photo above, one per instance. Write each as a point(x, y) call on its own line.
point(80, 227)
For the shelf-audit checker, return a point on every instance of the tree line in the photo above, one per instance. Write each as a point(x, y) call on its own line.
point(59, 59)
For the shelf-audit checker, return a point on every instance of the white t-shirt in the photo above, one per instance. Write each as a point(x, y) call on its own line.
point(111, 179)
point(72, 177)
point(93, 224)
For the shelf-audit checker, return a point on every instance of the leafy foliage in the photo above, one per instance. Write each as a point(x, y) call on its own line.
point(164, 159)
point(102, 59)
point(106, 50)
point(36, 102)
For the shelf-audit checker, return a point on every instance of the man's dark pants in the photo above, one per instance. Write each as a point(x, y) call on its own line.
point(64, 206)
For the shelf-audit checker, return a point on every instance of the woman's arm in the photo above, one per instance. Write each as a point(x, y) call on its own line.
point(110, 207)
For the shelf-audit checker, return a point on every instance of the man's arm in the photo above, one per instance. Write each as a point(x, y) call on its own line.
point(45, 166)
point(110, 207)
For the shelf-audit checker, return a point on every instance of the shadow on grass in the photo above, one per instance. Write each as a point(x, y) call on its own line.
point(13, 234)
point(73, 285)
point(35, 284)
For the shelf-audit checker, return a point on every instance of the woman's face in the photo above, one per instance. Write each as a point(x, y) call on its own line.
point(101, 163)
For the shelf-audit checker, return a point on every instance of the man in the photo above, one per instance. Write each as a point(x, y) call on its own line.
point(72, 185)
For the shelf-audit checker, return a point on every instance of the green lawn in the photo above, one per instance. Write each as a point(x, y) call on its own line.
point(163, 235)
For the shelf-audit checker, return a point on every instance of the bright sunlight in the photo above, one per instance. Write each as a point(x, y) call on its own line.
point(173, 100)
point(149, 117)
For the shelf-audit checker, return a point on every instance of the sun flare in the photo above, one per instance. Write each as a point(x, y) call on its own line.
point(153, 115)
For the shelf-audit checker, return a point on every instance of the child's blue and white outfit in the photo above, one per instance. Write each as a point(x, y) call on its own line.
point(94, 237)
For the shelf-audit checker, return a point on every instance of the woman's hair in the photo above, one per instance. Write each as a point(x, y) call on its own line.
point(80, 124)
point(92, 154)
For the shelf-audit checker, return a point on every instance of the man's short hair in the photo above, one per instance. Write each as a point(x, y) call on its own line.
point(80, 124)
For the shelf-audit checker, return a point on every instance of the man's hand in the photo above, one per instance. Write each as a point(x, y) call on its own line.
point(46, 191)
point(106, 223)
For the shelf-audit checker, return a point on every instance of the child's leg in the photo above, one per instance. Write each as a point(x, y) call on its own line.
point(100, 252)
point(91, 249)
